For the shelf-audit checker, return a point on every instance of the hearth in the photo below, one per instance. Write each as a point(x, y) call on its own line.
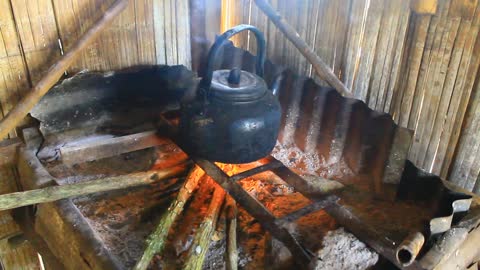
point(336, 164)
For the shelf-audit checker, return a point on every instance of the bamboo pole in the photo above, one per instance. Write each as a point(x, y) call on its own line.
point(54, 193)
point(57, 70)
point(322, 69)
point(232, 251)
point(156, 241)
point(202, 239)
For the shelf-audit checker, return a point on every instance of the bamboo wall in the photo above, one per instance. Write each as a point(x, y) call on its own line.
point(420, 68)
point(35, 33)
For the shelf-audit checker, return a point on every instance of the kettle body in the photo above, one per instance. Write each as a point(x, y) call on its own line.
point(234, 117)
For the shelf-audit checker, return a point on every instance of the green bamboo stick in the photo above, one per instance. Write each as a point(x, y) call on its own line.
point(156, 241)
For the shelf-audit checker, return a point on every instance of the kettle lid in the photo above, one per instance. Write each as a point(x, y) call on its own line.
point(237, 85)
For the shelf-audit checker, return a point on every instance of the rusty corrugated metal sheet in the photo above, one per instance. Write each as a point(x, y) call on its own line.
point(336, 131)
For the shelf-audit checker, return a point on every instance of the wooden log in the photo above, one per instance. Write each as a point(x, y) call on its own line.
point(102, 148)
point(54, 193)
point(202, 239)
point(232, 251)
point(57, 70)
point(156, 241)
point(322, 69)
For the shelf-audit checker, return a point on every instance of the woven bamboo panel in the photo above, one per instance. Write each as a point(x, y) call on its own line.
point(419, 67)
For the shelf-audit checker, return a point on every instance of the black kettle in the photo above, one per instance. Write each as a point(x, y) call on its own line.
point(234, 117)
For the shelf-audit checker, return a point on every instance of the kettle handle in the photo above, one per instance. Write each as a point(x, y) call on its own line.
point(222, 40)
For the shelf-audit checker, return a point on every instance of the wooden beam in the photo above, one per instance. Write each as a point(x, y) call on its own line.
point(109, 147)
point(57, 70)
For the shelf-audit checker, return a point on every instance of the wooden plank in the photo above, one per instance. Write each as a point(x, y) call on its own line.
point(102, 148)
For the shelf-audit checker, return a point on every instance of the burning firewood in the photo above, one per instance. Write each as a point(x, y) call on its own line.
point(232, 251)
point(156, 241)
point(199, 248)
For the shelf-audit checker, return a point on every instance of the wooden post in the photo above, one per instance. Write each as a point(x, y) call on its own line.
point(54, 193)
point(322, 69)
point(56, 71)
point(156, 241)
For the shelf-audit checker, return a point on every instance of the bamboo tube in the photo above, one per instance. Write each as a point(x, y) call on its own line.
point(232, 252)
point(322, 69)
point(57, 70)
point(156, 241)
point(408, 250)
point(202, 239)
point(54, 193)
